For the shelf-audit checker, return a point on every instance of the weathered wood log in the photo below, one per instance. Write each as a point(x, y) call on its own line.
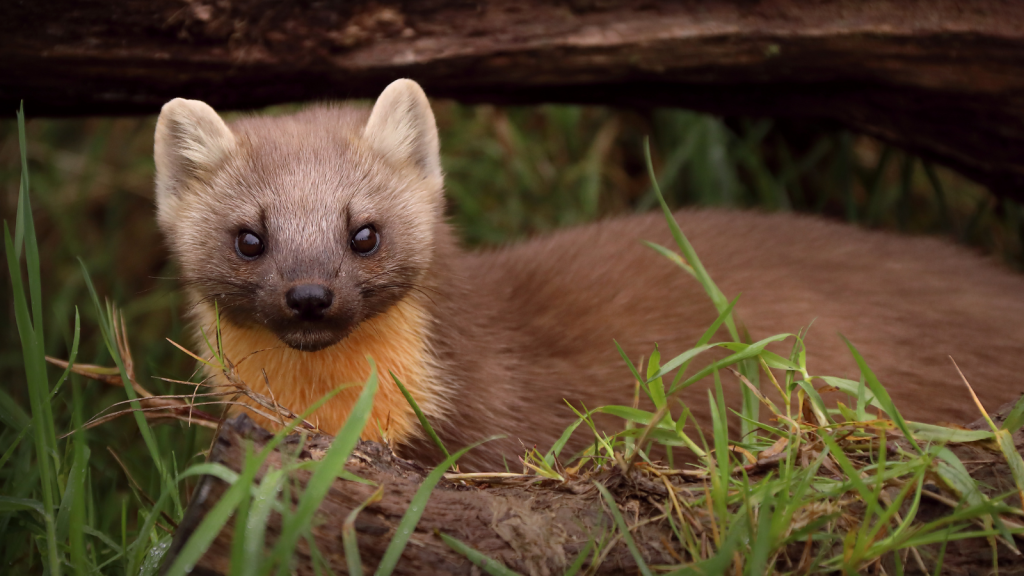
point(938, 77)
point(534, 527)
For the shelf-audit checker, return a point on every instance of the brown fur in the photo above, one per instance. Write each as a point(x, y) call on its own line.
point(493, 342)
point(541, 316)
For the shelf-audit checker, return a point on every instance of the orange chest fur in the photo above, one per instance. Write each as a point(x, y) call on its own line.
point(295, 379)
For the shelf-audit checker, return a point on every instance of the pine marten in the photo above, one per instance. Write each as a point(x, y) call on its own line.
point(321, 238)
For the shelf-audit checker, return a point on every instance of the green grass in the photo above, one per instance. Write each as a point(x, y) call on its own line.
point(751, 520)
point(102, 501)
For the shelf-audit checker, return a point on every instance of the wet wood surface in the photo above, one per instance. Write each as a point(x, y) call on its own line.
point(939, 77)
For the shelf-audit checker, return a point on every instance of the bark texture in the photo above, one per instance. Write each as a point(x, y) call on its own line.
point(533, 528)
point(940, 77)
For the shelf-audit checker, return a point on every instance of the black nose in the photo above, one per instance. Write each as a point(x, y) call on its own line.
point(309, 301)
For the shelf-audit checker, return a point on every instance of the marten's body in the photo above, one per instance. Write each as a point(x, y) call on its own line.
point(355, 259)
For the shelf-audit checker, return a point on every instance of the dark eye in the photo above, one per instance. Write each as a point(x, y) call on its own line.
point(366, 240)
point(248, 245)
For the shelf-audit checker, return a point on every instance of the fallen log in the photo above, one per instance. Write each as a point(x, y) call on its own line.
point(531, 527)
point(939, 78)
point(530, 524)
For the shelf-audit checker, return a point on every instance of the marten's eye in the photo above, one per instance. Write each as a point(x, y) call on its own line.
point(248, 245)
point(366, 240)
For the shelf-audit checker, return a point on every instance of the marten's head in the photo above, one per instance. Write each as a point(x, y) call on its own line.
point(305, 225)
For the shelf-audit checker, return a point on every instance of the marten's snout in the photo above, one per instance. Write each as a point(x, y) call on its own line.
point(309, 301)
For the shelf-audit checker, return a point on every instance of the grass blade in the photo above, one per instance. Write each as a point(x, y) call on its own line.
point(348, 534)
point(557, 447)
point(1015, 419)
point(577, 564)
point(760, 549)
point(655, 385)
point(108, 330)
point(259, 515)
point(11, 504)
point(30, 332)
point(479, 559)
point(420, 415)
point(627, 537)
point(746, 351)
point(328, 469)
point(882, 396)
point(716, 295)
point(218, 516)
point(416, 507)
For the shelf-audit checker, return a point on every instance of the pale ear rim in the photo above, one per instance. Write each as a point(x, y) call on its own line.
point(190, 138)
point(402, 127)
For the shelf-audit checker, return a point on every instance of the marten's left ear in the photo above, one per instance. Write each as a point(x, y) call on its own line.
point(402, 128)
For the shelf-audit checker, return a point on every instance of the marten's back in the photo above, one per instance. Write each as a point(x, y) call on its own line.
point(906, 303)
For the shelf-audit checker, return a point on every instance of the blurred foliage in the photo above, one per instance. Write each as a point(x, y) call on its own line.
point(511, 172)
point(518, 171)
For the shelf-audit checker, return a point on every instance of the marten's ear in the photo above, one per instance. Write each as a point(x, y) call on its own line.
point(190, 139)
point(402, 128)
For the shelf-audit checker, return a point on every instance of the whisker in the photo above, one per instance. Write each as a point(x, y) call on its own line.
point(404, 286)
point(209, 281)
point(215, 297)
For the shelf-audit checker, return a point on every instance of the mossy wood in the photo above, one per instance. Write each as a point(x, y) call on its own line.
point(533, 527)
point(937, 77)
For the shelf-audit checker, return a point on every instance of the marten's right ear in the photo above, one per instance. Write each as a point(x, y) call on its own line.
point(190, 139)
